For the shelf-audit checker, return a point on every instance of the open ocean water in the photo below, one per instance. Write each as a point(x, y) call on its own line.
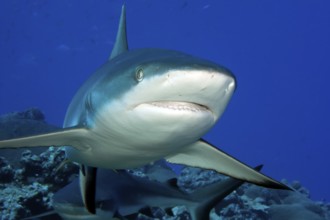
point(278, 50)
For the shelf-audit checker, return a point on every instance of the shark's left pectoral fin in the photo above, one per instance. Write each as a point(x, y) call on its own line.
point(75, 137)
point(87, 182)
point(204, 155)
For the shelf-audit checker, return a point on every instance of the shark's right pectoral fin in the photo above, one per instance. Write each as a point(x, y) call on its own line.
point(204, 155)
point(75, 137)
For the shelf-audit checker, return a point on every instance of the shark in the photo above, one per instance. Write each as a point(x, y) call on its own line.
point(122, 195)
point(143, 105)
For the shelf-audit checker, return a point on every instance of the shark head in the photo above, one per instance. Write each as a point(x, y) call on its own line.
point(152, 98)
point(173, 91)
point(170, 84)
point(157, 97)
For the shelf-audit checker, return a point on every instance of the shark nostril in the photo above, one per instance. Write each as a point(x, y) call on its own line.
point(230, 87)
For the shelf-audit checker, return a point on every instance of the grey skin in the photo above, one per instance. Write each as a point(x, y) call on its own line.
point(121, 195)
point(144, 105)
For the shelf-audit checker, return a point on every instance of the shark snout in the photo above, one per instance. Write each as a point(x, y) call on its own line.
point(209, 88)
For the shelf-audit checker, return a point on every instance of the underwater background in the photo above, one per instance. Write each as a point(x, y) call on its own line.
point(279, 52)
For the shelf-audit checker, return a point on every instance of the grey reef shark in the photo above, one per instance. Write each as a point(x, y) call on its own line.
point(122, 195)
point(141, 106)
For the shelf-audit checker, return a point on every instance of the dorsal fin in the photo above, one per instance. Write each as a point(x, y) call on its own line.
point(121, 39)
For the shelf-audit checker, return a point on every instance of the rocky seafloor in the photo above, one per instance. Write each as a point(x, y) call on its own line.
point(30, 177)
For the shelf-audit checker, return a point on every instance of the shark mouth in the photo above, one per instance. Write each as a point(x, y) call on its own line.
point(180, 106)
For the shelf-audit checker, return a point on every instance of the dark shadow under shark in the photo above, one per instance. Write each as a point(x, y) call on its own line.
point(122, 195)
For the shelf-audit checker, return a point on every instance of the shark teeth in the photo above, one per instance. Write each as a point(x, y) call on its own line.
point(180, 106)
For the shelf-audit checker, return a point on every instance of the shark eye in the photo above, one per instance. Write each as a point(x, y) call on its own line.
point(139, 75)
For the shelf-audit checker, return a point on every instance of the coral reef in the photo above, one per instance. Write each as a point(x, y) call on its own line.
point(18, 124)
point(28, 183)
point(254, 202)
point(27, 190)
point(29, 177)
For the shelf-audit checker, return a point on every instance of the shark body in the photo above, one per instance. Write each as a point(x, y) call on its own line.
point(144, 105)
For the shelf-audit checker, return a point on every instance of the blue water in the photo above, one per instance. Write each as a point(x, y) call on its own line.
point(278, 50)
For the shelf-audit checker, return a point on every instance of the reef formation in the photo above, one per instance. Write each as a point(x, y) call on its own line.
point(30, 177)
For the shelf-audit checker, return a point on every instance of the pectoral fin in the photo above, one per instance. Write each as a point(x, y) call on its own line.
point(204, 155)
point(87, 179)
point(75, 137)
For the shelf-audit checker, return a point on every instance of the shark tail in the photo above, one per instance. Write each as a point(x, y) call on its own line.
point(210, 196)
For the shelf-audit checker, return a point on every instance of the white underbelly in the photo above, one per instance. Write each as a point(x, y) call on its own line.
point(119, 157)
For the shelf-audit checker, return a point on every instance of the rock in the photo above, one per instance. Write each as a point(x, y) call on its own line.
point(29, 177)
point(192, 178)
point(19, 202)
point(18, 124)
point(6, 172)
point(292, 212)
